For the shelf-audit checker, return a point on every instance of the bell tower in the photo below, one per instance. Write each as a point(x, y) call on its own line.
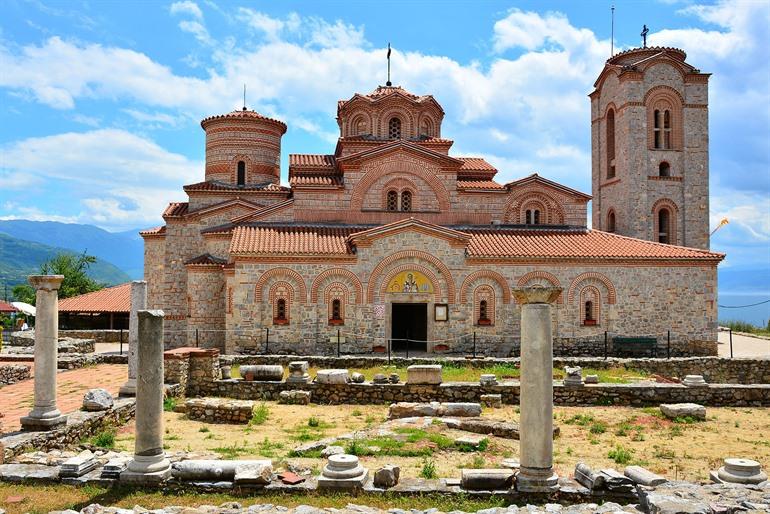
point(649, 148)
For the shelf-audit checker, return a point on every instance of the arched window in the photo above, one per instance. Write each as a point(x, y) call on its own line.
point(406, 201)
point(280, 311)
point(532, 217)
point(664, 169)
point(483, 312)
point(611, 221)
point(426, 127)
point(528, 217)
point(336, 310)
point(611, 144)
point(662, 129)
point(241, 177)
point(664, 226)
point(536, 217)
point(392, 201)
point(394, 128)
point(588, 315)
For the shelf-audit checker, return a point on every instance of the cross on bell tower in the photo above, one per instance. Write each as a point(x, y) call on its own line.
point(644, 33)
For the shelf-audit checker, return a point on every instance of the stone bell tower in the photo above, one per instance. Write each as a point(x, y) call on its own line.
point(649, 148)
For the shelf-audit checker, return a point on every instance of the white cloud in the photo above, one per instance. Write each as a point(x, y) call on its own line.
point(187, 7)
point(198, 30)
point(155, 119)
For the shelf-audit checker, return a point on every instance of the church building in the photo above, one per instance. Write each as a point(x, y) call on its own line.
point(393, 239)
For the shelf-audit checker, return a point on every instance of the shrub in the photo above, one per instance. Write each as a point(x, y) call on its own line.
point(260, 415)
point(580, 419)
point(203, 429)
point(428, 469)
point(313, 421)
point(354, 447)
point(620, 455)
point(169, 403)
point(598, 428)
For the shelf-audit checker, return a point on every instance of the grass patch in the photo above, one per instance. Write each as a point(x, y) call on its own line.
point(749, 328)
point(580, 419)
point(598, 427)
point(233, 451)
point(428, 469)
point(620, 455)
point(260, 415)
point(104, 439)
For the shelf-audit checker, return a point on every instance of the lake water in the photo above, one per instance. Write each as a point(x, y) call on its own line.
point(757, 315)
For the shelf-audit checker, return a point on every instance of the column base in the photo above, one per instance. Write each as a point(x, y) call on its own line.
point(128, 389)
point(35, 424)
point(147, 469)
point(152, 478)
point(531, 480)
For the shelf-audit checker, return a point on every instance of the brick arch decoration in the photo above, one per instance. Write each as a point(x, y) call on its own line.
point(665, 95)
point(484, 292)
point(549, 277)
point(337, 272)
point(277, 293)
point(280, 272)
point(337, 291)
point(406, 117)
point(353, 119)
point(492, 275)
point(593, 294)
point(665, 203)
point(373, 175)
point(611, 293)
point(554, 214)
point(399, 184)
point(431, 125)
point(409, 267)
point(410, 254)
point(233, 167)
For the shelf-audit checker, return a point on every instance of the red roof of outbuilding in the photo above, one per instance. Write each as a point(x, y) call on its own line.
point(7, 307)
point(109, 299)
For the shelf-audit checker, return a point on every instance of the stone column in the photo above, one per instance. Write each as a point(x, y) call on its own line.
point(149, 464)
point(536, 397)
point(138, 303)
point(45, 415)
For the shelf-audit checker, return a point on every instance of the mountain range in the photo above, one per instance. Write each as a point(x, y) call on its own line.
point(25, 245)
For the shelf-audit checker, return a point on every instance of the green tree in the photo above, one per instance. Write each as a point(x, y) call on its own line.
point(74, 269)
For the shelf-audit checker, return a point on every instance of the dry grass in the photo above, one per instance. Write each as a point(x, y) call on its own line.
point(675, 450)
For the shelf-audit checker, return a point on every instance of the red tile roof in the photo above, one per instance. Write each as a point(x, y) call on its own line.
point(176, 209)
point(577, 244)
point(479, 184)
point(316, 180)
point(216, 185)
point(475, 164)
point(311, 160)
point(205, 260)
point(109, 299)
point(155, 231)
point(507, 243)
point(290, 240)
point(7, 307)
point(244, 114)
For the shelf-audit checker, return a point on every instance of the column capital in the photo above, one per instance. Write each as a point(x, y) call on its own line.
point(150, 314)
point(139, 282)
point(536, 294)
point(46, 282)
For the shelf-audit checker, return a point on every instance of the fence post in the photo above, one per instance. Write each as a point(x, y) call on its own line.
point(605, 345)
point(731, 343)
point(407, 344)
point(474, 344)
point(389, 343)
point(338, 342)
point(121, 341)
point(668, 343)
point(267, 340)
point(196, 338)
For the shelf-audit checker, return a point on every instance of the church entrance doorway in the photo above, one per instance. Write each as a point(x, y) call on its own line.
point(409, 327)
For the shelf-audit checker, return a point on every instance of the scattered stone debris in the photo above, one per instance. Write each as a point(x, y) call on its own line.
point(592, 379)
point(643, 476)
point(97, 399)
point(492, 400)
point(387, 476)
point(332, 450)
point(298, 372)
point(294, 397)
point(357, 378)
point(78, 465)
point(486, 479)
point(694, 381)
point(574, 376)
point(488, 380)
point(262, 373)
point(380, 379)
point(410, 410)
point(423, 374)
point(332, 376)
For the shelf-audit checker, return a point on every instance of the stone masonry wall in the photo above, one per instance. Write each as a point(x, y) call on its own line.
point(12, 373)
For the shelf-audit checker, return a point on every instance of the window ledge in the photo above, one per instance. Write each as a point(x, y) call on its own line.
point(670, 179)
point(590, 323)
point(277, 321)
point(336, 322)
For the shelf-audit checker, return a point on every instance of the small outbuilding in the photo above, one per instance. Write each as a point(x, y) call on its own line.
point(106, 308)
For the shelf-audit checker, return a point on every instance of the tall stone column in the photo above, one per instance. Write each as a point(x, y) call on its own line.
point(149, 464)
point(138, 303)
point(536, 397)
point(45, 415)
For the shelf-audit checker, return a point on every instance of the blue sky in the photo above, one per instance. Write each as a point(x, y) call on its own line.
point(101, 101)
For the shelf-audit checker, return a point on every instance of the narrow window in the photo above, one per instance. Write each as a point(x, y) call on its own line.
point(664, 170)
point(394, 128)
point(656, 129)
point(611, 144)
point(392, 201)
point(336, 310)
point(406, 201)
point(528, 218)
point(483, 313)
point(536, 217)
point(589, 313)
point(664, 221)
point(241, 179)
point(281, 309)
point(667, 129)
point(611, 222)
point(426, 129)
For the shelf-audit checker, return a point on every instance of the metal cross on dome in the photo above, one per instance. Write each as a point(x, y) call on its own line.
point(644, 33)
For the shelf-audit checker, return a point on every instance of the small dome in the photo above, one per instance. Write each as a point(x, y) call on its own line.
point(244, 115)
